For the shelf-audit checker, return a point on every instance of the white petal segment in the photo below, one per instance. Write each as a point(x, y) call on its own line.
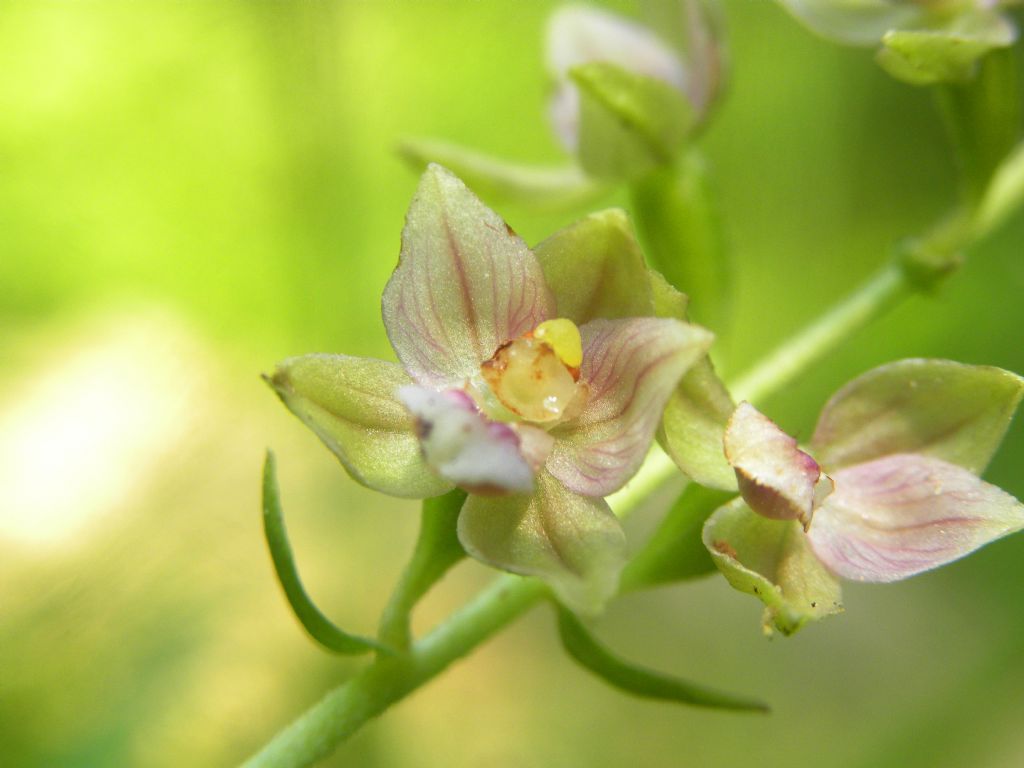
point(898, 516)
point(775, 477)
point(465, 447)
point(349, 402)
point(464, 284)
point(630, 367)
point(580, 35)
point(572, 542)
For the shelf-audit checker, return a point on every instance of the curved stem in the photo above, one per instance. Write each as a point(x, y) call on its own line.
point(344, 710)
point(880, 293)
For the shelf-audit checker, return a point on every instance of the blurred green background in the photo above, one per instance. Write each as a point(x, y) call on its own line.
point(190, 191)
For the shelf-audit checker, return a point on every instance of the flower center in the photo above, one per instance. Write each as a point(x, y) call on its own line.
point(536, 376)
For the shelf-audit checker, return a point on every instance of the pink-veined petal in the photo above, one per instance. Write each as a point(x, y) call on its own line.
point(898, 516)
point(776, 478)
point(572, 542)
point(465, 447)
point(630, 368)
point(580, 35)
point(464, 284)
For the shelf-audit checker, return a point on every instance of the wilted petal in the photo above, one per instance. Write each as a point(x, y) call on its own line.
point(349, 403)
point(630, 367)
point(857, 22)
point(465, 447)
point(772, 560)
point(579, 35)
point(465, 283)
point(894, 517)
point(950, 411)
point(775, 477)
point(596, 269)
point(573, 543)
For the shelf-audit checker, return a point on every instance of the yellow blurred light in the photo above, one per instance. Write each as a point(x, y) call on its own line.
point(90, 426)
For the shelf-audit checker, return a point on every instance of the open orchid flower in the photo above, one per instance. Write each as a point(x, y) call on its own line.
point(896, 491)
point(923, 41)
point(537, 416)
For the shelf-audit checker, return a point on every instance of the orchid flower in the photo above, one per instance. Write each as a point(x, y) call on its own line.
point(892, 489)
point(530, 381)
point(923, 41)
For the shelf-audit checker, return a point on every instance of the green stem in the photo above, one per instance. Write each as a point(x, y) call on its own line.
point(881, 292)
point(344, 710)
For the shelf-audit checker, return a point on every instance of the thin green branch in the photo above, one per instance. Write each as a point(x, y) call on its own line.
point(879, 294)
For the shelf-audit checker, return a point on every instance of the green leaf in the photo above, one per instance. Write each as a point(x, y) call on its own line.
point(573, 543)
point(315, 623)
point(639, 681)
point(945, 54)
point(677, 217)
point(939, 408)
point(675, 552)
point(629, 123)
point(537, 187)
point(772, 560)
point(437, 550)
point(1005, 194)
point(349, 403)
point(596, 269)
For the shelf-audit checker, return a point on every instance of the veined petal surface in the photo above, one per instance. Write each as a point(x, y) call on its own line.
point(572, 542)
point(464, 284)
point(898, 516)
point(939, 408)
point(630, 367)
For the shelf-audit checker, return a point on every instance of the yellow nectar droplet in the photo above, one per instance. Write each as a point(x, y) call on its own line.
point(563, 337)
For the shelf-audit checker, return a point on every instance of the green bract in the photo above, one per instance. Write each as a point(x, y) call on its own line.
point(467, 290)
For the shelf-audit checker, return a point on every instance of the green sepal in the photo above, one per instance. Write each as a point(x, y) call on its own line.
point(773, 561)
point(945, 54)
point(630, 124)
point(437, 550)
point(319, 627)
point(678, 221)
point(596, 269)
point(349, 403)
point(583, 648)
point(694, 419)
point(538, 187)
point(938, 408)
point(571, 542)
point(676, 552)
